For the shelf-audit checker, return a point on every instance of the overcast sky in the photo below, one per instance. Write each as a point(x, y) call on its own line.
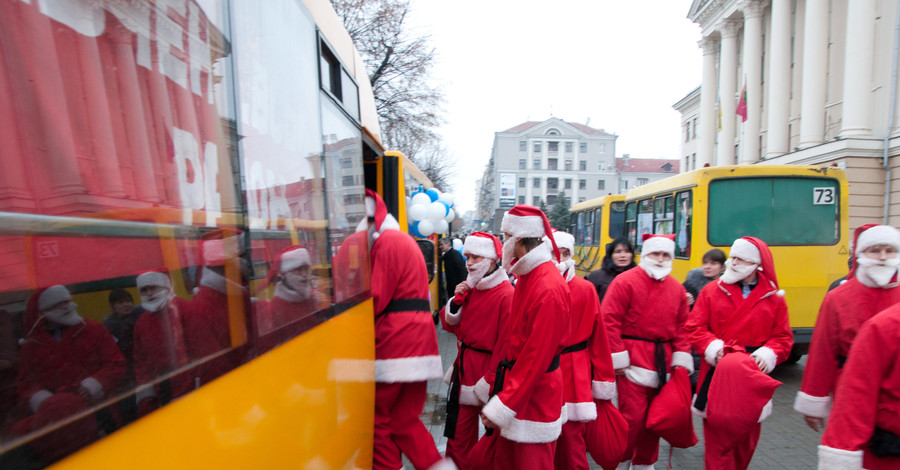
point(621, 64)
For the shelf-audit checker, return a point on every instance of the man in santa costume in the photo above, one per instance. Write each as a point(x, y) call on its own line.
point(864, 426)
point(406, 347)
point(294, 295)
point(586, 363)
point(645, 310)
point(742, 310)
point(221, 253)
point(871, 287)
point(527, 407)
point(477, 313)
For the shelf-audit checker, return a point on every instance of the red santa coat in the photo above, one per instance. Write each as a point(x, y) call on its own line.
point(530, 408)
point(639, 306)
point(159, 348)
point(406, 347)
point(478, 324)
point(722, 316)
point(867, 396)
point(85, 355)
point(842, 313)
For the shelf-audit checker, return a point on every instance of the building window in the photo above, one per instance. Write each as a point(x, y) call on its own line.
point(624, 185)
point(552, 131)
point(582, 184)
point(347, 181)
point(523, 145)
point(551, 200)
point(521, 163)
point(694, 160)
point(552, 184)
point(568, 165)
point(537, 163)
point(536, 201)
point(694, 133)
point(687, 131)
point(551, 164)
point(521, 199)
point(602, 148)
point(537, 146)
point(641, 181)
point(582, 147)
point(687, 163)
point(521, 182)
point(582, 165)
point(568, 183)
point(536, 183)
point(601, 184)
point(553, 146)
point(581, 199)
point(569, 147)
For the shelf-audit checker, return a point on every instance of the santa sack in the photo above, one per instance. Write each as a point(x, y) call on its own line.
point(607, 436)
point(670, 412)
point(739, 397)
point(482, 454)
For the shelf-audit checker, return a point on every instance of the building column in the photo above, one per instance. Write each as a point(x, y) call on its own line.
point(778, 110)
point(815, 50)
point(753, 69)
point(727, 99)
point(706, 146)
point(858, 61)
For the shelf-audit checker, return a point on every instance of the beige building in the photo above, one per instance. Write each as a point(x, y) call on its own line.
point(820, 83)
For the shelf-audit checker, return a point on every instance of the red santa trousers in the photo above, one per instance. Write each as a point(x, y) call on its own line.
point(571, 452)
point(466, 436)
point(634, 402)
point(399, 429)
point(511, 455)
point(733, 458)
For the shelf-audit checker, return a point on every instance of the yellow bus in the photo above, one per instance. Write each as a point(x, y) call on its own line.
point(135, 133)
point(799, 211)
point(596, 223)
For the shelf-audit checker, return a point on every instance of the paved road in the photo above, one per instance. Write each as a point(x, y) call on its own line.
point(786, 442)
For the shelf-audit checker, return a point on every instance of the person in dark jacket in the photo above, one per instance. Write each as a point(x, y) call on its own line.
point(698, 278)
point(455, 270)
point(120, 324)
point(619, 258)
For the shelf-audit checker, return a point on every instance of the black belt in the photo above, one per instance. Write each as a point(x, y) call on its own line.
point(703, 391)
point(841, 359)
point(501, 376)
point(575, 347)
point(407, 305)
point(659, 356)
point(884, 443)
point(455, 385)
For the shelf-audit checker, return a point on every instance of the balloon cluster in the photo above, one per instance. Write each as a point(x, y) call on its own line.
point(429, 212)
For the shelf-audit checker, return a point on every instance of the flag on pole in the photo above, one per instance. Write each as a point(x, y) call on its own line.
point(742, 104)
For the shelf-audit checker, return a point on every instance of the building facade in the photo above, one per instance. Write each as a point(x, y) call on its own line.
point(803, 82)
point(689, 107)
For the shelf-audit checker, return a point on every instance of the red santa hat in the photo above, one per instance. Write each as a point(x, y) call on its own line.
point(219, 245)
point(764, 260)
point(52, 296)
point(286, 260)
point(483, 244)
point(655, 243)
point(528, 222)
point(156, 277)
point(375, 208)
point(869, 235)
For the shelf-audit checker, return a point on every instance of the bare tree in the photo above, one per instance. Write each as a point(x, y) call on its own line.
point(398, 63)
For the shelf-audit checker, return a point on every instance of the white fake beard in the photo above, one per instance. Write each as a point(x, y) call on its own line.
point(67, 315)
point(509, 247)
point(875, 271)
point(567, 266)
point(656, 270)
point(298, 283)
point(157, 301)
point(737, 273)
point(477, 272)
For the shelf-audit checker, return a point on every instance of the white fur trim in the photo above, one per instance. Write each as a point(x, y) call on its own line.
point(683, 359)
point(144, 392)
point(351, 370)
point(38, 398)
point(808, 405)
point(534, 258)
point(839, 459)
point(389, 223)
point(603, 390)
point(626, 465)
point(482, 390)
point(643, 377)
point(154, 278)
point(658, 244)
point(877, 235)
point(493, 280)
point(52, 296)
point(712, 350)
point(294, 259)
point(535, 432)
point(408, 369)
point(695, 411)
point(452, 318)
point(444, 464)
point(467, 396)
point(529, 226)
point(766, 411)
point(746, 251)
point(479, 246)
point(564, 240)
point(448, 376)
point(216, 251)
point(498, 413)
point(94, 387)
point(642, 467)
point(768, 356)
point(213, 280)
point(586, 411)
point(621, 360)
point(780, 293)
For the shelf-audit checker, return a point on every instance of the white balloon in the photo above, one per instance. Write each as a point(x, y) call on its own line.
point(441, 226)
point(451, 214)
point(446, 197)
point(421, 199)
point(437, 211)
point(416, 212)
point(426, 228)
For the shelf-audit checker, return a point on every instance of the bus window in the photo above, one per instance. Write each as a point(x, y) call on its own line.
point(663, 215)
point(573, 224)
point(644, 221)
point(683, 219)
point(598, 225)
point(780, 211)
point(616, 219)
point(631, 222)
point(585, 228)
point(427, 247)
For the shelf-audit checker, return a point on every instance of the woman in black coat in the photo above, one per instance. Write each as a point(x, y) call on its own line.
point(619, 258)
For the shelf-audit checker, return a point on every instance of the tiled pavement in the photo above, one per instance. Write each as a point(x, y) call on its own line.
point(786, 442)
